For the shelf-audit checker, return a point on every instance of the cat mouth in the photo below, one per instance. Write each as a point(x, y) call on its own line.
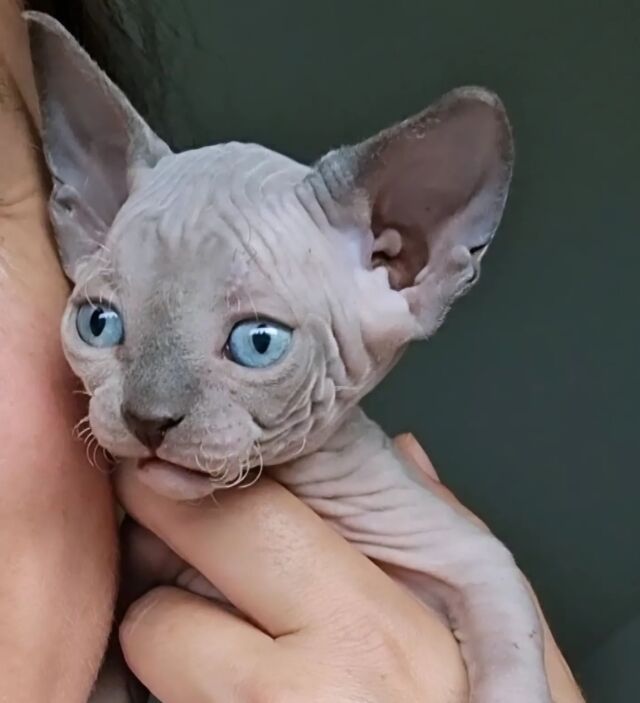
point(175, 481)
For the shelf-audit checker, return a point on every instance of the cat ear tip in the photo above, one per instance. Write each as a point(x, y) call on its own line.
point(478, 93)
point(32, 16)
point(39, 20)
point(42, 28)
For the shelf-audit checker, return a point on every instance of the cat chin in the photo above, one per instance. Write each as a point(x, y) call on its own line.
point(174, 481)
point(184, 481)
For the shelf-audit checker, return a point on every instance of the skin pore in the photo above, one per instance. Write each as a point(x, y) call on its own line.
point(57, 526)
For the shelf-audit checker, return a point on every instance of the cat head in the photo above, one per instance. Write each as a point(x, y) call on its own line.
point(229, 303)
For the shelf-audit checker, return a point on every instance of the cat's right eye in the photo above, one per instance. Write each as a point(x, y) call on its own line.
point(99, 325)
point(257, 344)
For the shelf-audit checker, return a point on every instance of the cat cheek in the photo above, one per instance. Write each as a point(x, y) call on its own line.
point(224, 431)
point(105, 418)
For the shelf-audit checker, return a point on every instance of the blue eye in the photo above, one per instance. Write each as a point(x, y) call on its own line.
point(257, 344)
point(99, 325)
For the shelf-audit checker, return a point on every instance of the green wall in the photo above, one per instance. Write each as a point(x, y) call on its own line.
point(526, 400)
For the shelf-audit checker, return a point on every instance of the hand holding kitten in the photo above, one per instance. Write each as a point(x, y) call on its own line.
point(314, 600)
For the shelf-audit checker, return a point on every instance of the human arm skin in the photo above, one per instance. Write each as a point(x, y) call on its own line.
point(57, 527)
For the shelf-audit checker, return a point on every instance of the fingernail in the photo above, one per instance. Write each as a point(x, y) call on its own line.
point(139, 610)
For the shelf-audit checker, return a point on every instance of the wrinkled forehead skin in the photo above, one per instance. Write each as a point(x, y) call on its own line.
point(218, 222)
point(229, 232)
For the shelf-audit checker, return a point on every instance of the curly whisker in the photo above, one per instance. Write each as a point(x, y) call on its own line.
point(88, 447)
point(256, 448)
point(81, 426)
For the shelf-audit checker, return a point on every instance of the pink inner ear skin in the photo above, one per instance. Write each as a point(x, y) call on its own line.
point(427, 171)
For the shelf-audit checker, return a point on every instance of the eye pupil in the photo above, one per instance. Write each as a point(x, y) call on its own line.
point(97, 322)
point(257, 344)
point(261, 341)
point(99, 325)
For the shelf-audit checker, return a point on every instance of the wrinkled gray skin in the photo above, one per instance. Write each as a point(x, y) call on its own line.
point(359, 254)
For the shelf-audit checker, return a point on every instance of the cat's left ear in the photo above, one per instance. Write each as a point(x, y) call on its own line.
point(431, 190)
point(94, 140)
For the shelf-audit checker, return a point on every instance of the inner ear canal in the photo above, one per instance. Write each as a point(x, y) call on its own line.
point(387, 244)
point(402, 254)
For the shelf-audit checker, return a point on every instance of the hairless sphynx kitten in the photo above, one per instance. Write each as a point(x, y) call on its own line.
point(232, 306)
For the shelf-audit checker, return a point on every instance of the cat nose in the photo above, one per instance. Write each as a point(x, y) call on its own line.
point(148, 429)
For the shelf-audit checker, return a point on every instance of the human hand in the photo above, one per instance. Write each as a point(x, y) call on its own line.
point(322, 621)
point(324, 588)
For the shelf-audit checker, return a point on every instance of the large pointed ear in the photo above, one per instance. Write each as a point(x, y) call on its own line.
point(431, 190)
point(94, 141)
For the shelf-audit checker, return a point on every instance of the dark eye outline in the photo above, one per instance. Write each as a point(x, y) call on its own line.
point(257, 320)
point(97, 303)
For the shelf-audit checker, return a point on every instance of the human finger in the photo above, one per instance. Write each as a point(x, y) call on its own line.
point(270, 555)
point(185, 649)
